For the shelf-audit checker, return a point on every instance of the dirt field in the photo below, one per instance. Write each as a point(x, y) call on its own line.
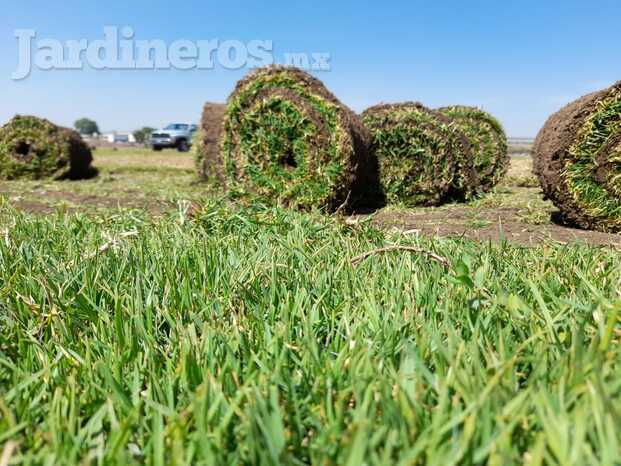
point(165, 182)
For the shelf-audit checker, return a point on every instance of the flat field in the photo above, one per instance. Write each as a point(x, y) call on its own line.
point(159, 183)
point(147, 318)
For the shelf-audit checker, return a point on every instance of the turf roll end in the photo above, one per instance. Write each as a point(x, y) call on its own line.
point(488, 142)
point(287, 138)
point(577, 158)
point(424, 159)
point(207, 142)
point(34, 148)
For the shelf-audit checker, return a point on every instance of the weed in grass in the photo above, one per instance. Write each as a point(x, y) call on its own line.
point(477, 224)
point(534, 215)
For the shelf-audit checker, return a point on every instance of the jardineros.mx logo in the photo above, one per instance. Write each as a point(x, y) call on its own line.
point(120, 50)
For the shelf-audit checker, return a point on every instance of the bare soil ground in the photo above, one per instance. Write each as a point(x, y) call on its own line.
point(515, 212)
point(493, 224)
point(163, 182)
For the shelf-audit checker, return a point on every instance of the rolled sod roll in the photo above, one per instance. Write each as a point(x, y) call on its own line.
point(287, 138)
point(207, 142)
point(424, 159)
point(34, 148)
point(577, 158)
point(488, 142)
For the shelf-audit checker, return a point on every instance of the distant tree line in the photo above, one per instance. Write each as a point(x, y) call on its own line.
point(88, 127)
point(143, 135)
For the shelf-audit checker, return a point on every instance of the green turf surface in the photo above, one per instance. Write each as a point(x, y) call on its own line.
point(246, 336)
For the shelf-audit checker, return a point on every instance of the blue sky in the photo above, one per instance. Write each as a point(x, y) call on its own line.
point(520, 60)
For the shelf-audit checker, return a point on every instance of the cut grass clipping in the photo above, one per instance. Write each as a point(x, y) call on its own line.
point(488, 141)
point(207, 142)
point(34, 148)
point(578, 160)
point(288, 139)
point(424, 159)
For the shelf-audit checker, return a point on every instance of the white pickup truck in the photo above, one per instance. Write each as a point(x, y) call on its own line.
point(175, 135)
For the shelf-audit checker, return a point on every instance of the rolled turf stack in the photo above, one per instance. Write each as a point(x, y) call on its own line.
point(34, 148)
point(424, 159)
point(207, 142)
point(287, 138)
point(578, 160)
point(488, 142)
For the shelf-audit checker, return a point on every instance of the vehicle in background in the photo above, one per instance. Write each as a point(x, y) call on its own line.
point(175, 135)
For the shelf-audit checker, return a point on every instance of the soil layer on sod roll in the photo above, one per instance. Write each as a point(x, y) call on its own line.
point(577, 158)
point(424, 159)
point(34, 148)
point(287, 138)
point(207, 143)
point(488, 142)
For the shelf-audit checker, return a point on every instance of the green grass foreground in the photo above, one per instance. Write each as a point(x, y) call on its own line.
point(246, 336)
